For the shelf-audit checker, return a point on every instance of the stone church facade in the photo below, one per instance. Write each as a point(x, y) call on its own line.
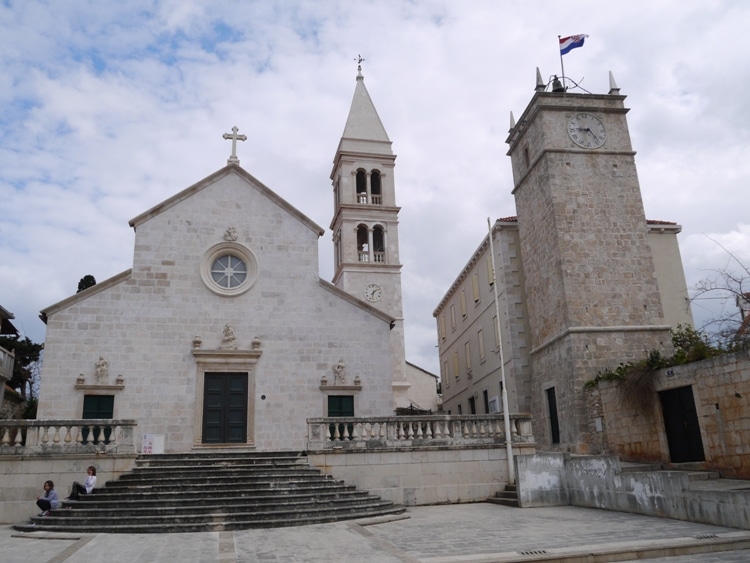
point(222, 333)
point(584, 281)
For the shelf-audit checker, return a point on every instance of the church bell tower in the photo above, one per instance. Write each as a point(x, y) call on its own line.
point(592, 293)
point(365, 221)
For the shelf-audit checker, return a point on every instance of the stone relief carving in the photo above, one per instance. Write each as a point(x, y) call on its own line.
point(230, 234)
point(339, 373)
point(102, 370)
point(228, 339)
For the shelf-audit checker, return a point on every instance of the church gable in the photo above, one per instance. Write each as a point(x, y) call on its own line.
point(227, 256)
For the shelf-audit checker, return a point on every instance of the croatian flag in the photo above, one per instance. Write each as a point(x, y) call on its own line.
point(569, 43)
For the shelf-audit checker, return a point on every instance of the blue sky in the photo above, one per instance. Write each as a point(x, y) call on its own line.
point(110, 108)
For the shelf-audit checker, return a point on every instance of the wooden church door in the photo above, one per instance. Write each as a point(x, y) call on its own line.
point(681, 424)
point(225, 408)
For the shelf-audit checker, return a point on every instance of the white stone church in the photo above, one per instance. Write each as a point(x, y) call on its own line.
point(222, 334)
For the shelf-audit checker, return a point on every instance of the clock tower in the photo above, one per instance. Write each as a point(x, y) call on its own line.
point(365, 222)
point(592, 293)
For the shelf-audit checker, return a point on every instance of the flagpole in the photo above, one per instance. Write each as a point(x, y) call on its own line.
point(506, 413)
point(562, 66)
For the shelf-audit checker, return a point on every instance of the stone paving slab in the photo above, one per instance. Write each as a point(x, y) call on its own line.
point(468, 533)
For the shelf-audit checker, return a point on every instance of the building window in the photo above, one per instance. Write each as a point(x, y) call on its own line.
point(229, 269)
point(486, 398)
point(361, 186)
point(472, 406)
point(363, 244)
point(463, 302)
point(376, 192)
point(456, 371)
point(445, 376)
point(460, 410)
point(441, 326)
point(554, 424)
point(480, 339)
point(475, 286)
point(453, 316)
point(490, 271)
point(378, 244)
point(467, 351)
point(497, 333)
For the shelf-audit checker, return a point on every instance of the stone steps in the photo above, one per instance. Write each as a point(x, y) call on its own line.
point(506, 497)
point(212, 492)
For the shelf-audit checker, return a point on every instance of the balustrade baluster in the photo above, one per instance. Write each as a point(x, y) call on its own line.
point(79, 434)
point(401, 434)
point(336, 435)
point(327, 430)
point(410, 433)
point(419, 435)
point(101, 439)
point(113, 437)
point(383, 430)
point(19, 437)
point(56, 436)
point(6, 437)
point(438, 429)
point(67, 438)
point(428, 428)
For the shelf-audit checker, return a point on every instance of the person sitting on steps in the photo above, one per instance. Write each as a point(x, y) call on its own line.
point(49, 500)
point(88, 485)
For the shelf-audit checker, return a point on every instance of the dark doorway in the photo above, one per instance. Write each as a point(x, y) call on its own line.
point(681, 424)
point(225, 408)
point(97, 406)
point(554, 424)
point(340, 405)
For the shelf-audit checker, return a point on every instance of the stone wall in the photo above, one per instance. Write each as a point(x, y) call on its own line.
point(721, 388)
point(599, 482)
point(24, 477)
point(421, 476)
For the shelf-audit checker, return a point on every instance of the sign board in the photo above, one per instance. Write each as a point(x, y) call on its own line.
point(152, 444)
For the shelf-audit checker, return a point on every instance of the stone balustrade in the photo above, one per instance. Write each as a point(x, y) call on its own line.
point(400, 432)
point(66, 436)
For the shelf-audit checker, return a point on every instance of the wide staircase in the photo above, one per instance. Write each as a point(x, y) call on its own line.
point(212, 492)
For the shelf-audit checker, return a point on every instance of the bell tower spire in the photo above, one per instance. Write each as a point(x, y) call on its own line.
point(365, 218)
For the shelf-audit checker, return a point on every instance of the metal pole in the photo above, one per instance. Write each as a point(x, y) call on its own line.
point(562, 66)
point(506, 414)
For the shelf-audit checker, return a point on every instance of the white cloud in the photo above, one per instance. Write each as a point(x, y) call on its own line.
point(112, 108)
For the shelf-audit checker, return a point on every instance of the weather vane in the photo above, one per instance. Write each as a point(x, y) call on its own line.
point(359, 60)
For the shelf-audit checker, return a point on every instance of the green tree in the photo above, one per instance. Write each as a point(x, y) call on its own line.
point(26, 366)
point(86, 282)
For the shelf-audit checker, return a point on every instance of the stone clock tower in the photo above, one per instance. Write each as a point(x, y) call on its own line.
point(365, 222)
point(592, 294)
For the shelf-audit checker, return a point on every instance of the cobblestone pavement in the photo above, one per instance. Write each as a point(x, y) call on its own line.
point(469, 533)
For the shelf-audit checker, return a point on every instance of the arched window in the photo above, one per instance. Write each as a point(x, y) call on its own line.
point(378, 244)
point(375, 188)
point(361, 186)
point(363, 244)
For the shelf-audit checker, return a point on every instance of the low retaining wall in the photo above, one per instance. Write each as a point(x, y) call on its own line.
point(556, 479)
point(24, 475)
point(419, 476)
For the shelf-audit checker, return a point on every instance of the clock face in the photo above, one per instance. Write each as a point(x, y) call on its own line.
point(373, 292)
point(586, 131)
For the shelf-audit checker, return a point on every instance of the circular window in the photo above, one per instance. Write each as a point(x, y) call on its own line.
point(229, 269)
point(228, 272)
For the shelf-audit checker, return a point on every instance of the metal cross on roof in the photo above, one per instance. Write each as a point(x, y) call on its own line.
point(235, 137)
point(359, 60)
